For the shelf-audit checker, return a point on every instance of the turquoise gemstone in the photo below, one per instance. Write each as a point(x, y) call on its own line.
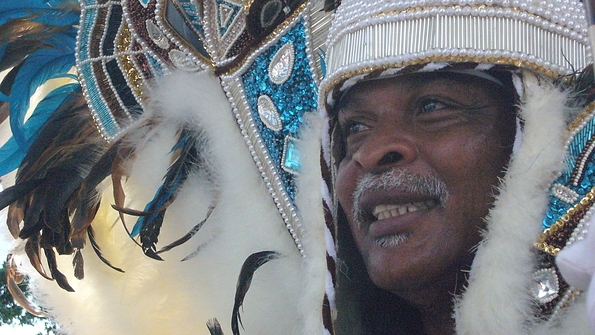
point(291, 162)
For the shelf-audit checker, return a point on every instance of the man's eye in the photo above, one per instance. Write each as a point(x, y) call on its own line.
point(431, 106)
point(354, 127)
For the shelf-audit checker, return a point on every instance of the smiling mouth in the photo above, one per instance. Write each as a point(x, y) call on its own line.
point(381, 212)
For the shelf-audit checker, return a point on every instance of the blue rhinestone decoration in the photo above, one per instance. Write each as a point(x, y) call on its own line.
point(294, 97)
point(578, 176)
point(226, 13)
point(291, 156)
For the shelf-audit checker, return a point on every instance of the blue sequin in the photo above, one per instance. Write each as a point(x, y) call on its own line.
point(293, 98)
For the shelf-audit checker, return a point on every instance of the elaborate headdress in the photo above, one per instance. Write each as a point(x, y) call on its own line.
point(514, 285)
point(204, 115)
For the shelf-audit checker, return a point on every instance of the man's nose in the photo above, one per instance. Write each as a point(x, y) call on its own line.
point(384, 149)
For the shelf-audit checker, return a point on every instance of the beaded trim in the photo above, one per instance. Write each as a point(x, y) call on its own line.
point(103, 57)
point(482, 34)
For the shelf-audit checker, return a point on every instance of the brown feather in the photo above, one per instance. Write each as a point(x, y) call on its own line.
point(32, 249)
point(16, 214)
point(13, 278)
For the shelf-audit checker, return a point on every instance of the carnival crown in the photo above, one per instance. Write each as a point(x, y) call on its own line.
point(380, 38)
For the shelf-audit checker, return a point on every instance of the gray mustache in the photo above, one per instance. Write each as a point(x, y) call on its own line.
point(398, 179)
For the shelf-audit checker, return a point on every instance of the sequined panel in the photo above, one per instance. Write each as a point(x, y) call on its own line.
point(271, 115)
point(578, 177)
point(294, 97)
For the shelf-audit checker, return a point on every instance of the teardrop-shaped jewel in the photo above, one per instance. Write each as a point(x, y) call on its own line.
point(181, 61)
point(268, 113)
point(281, 65)
point(156, 35)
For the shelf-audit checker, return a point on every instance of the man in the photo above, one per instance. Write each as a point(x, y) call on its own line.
point(423, 154)
point(441, 193)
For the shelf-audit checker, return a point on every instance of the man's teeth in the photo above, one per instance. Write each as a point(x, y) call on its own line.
point(387, 211)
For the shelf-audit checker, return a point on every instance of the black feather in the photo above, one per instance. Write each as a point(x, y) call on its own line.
point(188, 235)
point(32, 249)
point(97, 250)
point(214, 327)
point(78, 263)
point(56, 274)
point(251, 264)
point(16, 192)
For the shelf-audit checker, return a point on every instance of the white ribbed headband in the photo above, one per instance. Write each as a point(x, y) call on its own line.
point(370, 37)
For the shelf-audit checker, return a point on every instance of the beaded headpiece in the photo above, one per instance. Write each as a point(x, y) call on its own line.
point(262, 52)
point(549, 37)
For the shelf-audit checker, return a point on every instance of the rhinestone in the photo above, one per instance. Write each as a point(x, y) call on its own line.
point(281, 65)
point(156, 35)
point(181, 61)
point(546, 286)
point(564, 193)
point(291, 157)
point(268, 113)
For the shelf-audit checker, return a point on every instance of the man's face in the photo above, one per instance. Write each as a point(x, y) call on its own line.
point(422, 158)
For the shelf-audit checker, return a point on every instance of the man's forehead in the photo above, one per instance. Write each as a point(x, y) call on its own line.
point(357, 96)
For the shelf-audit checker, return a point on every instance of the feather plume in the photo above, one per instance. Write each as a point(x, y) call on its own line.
point(33, 249)
point(214, 327)
point(56, 274)
point(13, 279)
point(150, 220)
point(251, 264)
point(39, 42)
point(97, 250)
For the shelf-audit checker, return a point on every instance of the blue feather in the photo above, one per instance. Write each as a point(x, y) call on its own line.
point(52, 61)
point(56, 15)
point(11, 153)
point(37, 70)
point(31, 4)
